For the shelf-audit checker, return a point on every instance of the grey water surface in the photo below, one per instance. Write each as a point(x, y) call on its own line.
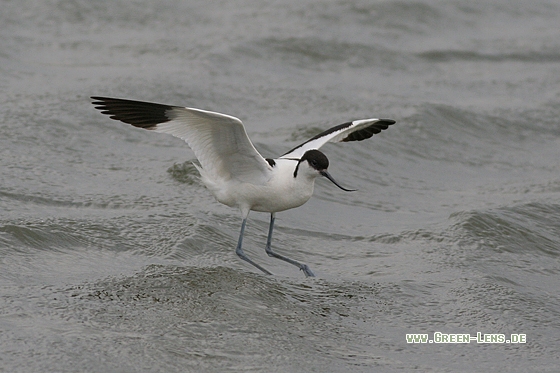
point(114, 257)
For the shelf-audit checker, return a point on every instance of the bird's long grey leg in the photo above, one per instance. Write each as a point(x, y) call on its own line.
point(271, 253)
point(241, 254)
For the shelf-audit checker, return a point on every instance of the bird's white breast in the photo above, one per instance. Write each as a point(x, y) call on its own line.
point(282, 191)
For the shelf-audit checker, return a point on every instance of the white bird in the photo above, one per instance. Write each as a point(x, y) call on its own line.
point(230, 166)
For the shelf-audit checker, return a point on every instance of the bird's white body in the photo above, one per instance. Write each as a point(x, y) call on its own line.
point(279, 191)
point(230, 166)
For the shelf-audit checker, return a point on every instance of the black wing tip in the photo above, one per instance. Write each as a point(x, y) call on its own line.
point(96, 100)
point(101, 100)
point(105, 103)
point(140, 114)
point(373, 129)
point(388, 122)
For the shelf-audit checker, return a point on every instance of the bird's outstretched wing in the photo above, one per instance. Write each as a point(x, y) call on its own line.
point(357, 130)
point(219, 141)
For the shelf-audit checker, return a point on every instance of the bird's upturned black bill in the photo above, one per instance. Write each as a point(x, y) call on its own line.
point(328, 176)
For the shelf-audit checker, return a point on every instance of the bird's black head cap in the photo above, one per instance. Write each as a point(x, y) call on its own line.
point(316, 159)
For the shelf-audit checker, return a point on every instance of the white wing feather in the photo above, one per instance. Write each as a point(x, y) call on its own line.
point(219, 141)
point(352, 131)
